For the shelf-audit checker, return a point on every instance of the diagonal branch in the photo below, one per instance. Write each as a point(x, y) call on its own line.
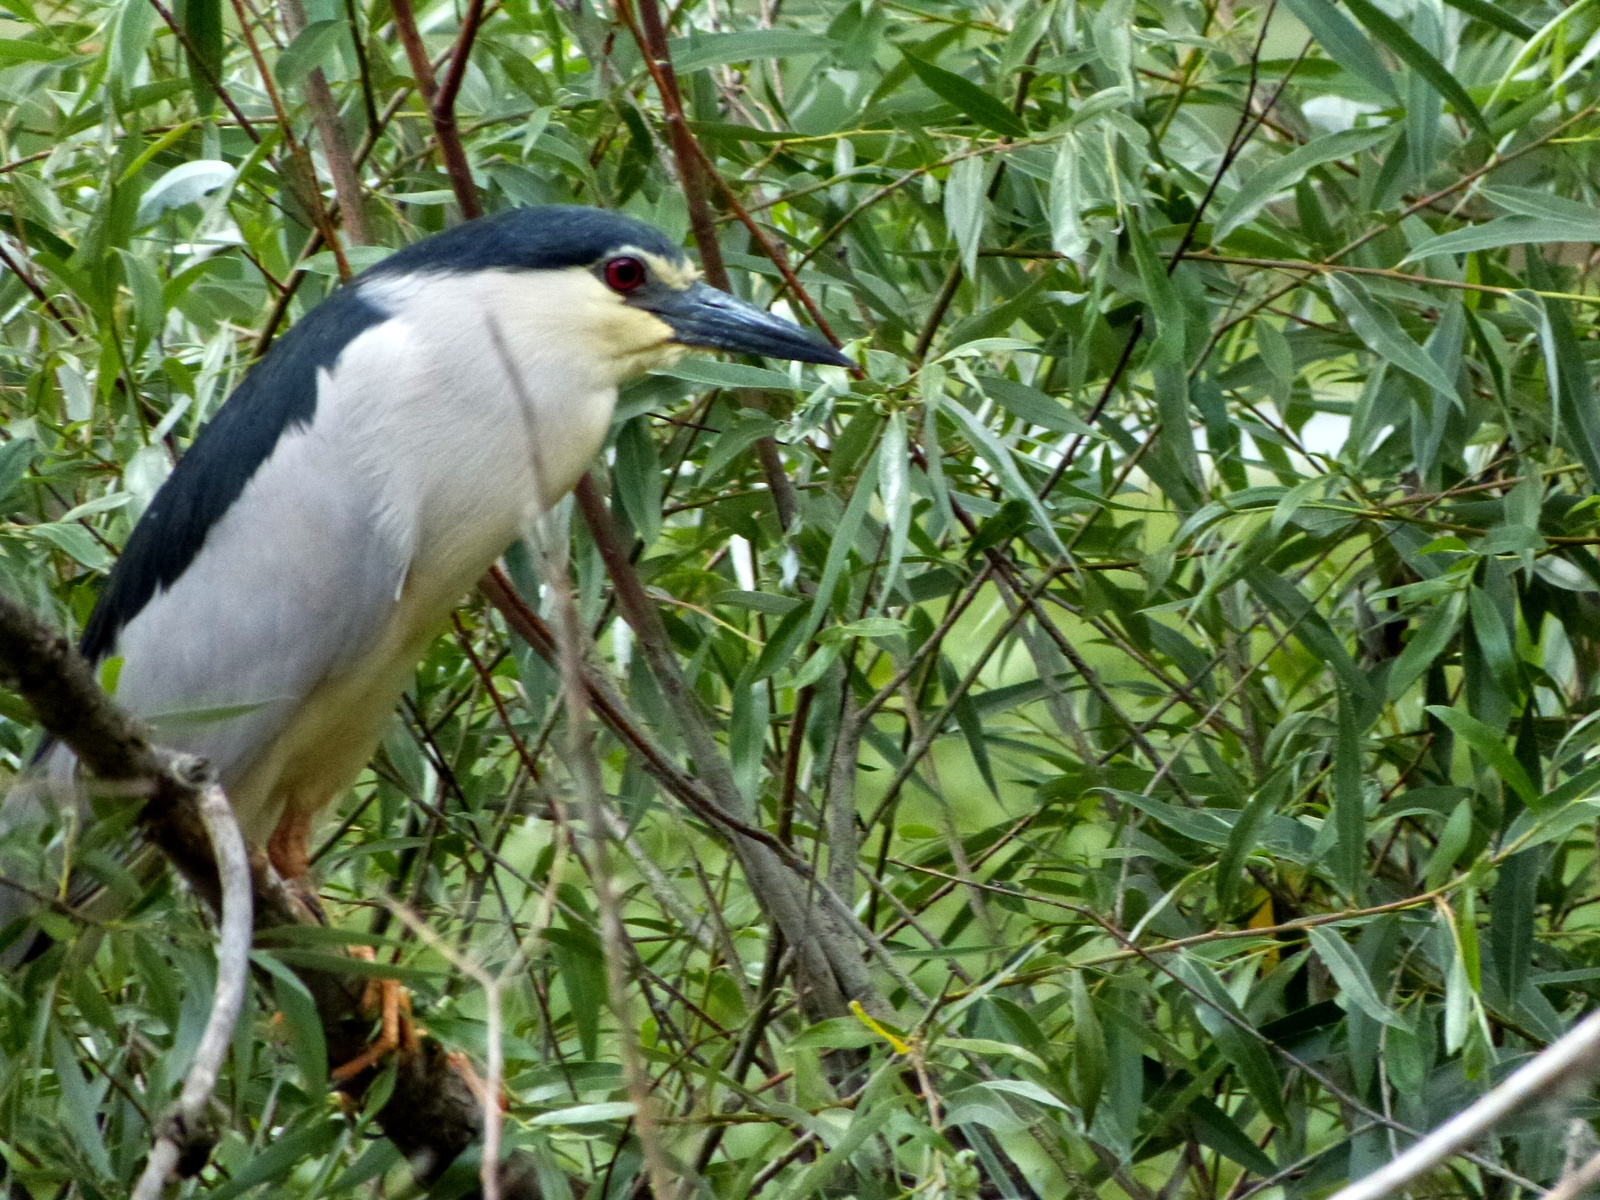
point(335, 147)
point(445, 129)
point(433, 1114)
point(184, 1141)
point(1571, 1062)
point(823, 934)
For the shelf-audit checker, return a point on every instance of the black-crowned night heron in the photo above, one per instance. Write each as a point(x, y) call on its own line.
point(279, 590)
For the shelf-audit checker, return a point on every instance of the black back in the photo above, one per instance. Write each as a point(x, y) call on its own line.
point(278, 394)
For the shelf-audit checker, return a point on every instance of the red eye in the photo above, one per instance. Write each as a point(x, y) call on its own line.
point(626, 275)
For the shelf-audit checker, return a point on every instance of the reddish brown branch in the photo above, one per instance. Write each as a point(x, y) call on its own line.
point(445, 130)
point(445, 102)
point(39, 294)
point(651, 35)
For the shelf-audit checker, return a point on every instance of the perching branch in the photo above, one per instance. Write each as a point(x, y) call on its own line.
point(1572, 1061)
point(184, 1141)
point(434, 1113)
point(185, 813)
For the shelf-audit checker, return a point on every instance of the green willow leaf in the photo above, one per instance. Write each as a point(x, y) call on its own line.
point(202, 22)
point(636, 477)
point(1493, 14)
point(1088, 1050)
point(17, 50)
point(703, 50)
point(1349, 803)
point(1283, 173)
point(1347, 971)
point(1382, 332)
point(1345, 43)
point(312, 47)
point(1393, 35)
point(1487, 745)
point(1426, 645)
point(1220, 1017)
point(1502, 232)
point(967, 97)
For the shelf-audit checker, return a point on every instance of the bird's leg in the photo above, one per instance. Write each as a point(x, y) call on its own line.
point(385, 997)
point(289, 852)
point(289, 847)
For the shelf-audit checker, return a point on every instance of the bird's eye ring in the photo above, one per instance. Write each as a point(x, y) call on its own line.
point(626, 274)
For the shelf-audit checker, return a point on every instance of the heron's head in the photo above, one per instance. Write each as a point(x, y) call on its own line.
point(619, 294)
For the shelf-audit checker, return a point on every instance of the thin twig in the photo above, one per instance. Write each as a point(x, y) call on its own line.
point(204, 68)
point(456, 166)
point(183, 1130)
point(489, 1164)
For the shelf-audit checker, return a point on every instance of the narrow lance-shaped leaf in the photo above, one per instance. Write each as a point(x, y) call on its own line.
point(1345, 43)
point(1512, 906)
point(1067, 233)
point(1354, 982)
point(1000, 458)
point(1167, 359)
point(1493, 14)
point(970, 724)
point(1381, 331)
point(202, 22)
point(1349, 803)
point(1283, 173)
point(1242, 839)
point(1309, 627)
point(1407, 48)
point(637, 478)
point(1089, 1050)
point(894, 491)
point(1426, 645)
point(968, 97)
point(1505, 231)
point(1489, 747)
point(1573, 387)
point(312, 47)
point(1220, 1017)
point(844, 538)
point(965, 209)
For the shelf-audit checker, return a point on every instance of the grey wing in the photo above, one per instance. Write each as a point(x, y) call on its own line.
point(295, 582)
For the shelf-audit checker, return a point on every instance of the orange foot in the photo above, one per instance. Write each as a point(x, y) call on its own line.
point(385, 998)
point(477, 1084)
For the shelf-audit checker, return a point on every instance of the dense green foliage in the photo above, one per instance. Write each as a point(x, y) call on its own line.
point(1219, 500)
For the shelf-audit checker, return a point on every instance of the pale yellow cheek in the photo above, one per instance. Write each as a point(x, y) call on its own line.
point(636, 341)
